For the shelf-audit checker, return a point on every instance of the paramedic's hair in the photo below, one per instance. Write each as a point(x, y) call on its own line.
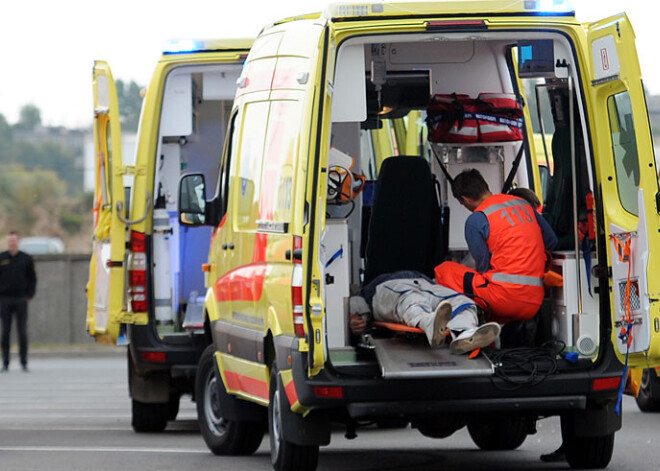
point(469, 183)
point(15, 233)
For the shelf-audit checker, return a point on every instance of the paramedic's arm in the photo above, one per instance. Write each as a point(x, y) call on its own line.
point(476, 235)
point(549, 237)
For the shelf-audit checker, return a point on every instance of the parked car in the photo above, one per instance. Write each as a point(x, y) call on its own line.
point(41, 245)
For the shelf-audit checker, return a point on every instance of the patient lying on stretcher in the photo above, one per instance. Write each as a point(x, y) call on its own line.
point(410, 298)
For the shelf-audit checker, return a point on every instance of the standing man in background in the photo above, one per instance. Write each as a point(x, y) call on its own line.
point(18, 282)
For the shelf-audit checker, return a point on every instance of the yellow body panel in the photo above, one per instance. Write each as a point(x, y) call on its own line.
point(110, 231)
point(255, 378)
point(105, 289)
point(628, 80)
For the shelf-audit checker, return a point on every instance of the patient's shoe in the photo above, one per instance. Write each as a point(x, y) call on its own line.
point(470, 340)
point(442, 317)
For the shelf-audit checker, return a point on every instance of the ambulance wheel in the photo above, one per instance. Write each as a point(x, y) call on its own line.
point(645, 399)
point(284, 455)
point(499, 433)
point(149, 418)
point(222, 436)
point(173, 406)
point(586, 452)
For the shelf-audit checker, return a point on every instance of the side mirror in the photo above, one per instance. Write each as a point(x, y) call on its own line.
point(546, 178)
point(192, 200)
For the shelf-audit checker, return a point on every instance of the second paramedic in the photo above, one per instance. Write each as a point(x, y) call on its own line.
point(508, 240)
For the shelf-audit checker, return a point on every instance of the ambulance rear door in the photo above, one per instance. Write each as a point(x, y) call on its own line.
point(629, 188)
point(106, 299)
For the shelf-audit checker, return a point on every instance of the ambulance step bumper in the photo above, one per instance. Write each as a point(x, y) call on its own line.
point(361, 410)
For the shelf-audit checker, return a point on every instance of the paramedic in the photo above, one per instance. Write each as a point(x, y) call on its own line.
point(508, 240)
point(412, 299)
point(18, 283)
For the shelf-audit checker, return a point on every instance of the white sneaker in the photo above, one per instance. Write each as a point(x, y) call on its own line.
point(482, 337)
point(442, 317)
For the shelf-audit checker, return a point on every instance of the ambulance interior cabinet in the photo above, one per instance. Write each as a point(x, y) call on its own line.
point(336, 258)
point(579, 331)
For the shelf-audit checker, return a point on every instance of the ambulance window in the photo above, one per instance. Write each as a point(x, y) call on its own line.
point(538, 100)
point(367, 154)
point(268, 149)
point(624, 148)
point(279, 161)
point(226, 165)
point(250, 156)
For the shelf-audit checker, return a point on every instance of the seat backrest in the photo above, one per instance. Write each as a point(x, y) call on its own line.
point(405, 219)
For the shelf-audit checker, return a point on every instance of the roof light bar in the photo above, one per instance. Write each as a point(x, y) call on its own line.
point(178, 46)
point(549, 6)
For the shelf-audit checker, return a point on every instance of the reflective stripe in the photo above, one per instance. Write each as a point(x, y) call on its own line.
point(507, 204)
point(517, 279)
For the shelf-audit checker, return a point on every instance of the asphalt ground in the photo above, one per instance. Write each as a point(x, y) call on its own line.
point(72, 412)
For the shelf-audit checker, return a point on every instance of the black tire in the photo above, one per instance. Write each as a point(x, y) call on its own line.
point(499, 433)
point(222, 436)
point(149, 418)
point(645, 400)
point(173, 406)
point(586, 452)
point(284, 455)
point(392, 423)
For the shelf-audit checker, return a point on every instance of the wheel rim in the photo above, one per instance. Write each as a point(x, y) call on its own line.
point(646, 380)
point(217, 425)
point(276, 417)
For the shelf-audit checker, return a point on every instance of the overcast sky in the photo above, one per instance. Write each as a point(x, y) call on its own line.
point(48, 46)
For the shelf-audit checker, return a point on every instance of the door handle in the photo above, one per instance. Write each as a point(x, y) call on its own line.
point(130, 222)
point(228, 246)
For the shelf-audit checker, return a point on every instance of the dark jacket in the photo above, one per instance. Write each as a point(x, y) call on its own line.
point(17, 276)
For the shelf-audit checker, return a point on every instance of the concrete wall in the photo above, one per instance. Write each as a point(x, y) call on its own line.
point(57, 313)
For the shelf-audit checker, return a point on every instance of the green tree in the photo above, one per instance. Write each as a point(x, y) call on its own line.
point(50, 156)
point(130, 103)
point(5, 140)
point(29, 117)
point(27, 195)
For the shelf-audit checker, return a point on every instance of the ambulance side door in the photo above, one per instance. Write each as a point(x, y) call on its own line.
point(626, 171)
point(106, 300)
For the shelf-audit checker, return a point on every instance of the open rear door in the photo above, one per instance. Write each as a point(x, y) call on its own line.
point(106, 300)
point(629, 186)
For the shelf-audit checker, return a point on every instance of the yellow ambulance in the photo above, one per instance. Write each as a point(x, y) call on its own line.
point(644, 385)
point(145, 284)
point(331, 176)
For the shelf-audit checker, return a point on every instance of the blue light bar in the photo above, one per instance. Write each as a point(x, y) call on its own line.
point(178, 46)
point(554, 6)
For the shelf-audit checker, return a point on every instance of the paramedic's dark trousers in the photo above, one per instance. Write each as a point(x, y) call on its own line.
point(16, 308)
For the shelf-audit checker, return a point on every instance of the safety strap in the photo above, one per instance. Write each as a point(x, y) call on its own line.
point(589, 229)
point(623, 250)
point(514, 169)
point(444, 169)
point(586, 254)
